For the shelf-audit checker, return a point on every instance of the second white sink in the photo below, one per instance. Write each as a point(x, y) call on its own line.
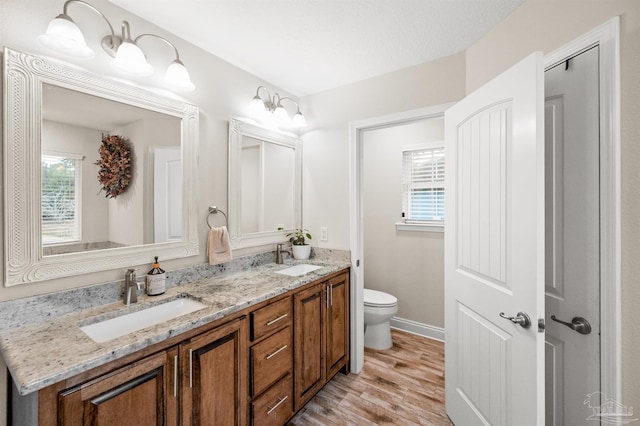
point(297, 270)
point(109, 329)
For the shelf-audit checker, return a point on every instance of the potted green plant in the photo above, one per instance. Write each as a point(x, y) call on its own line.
point(301, 250)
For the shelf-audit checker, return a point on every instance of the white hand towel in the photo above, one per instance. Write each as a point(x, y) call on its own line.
point(218, 247)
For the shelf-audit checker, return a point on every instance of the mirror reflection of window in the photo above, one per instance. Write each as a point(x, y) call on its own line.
point(61, 198)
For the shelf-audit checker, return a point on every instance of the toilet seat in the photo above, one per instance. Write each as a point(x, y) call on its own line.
point(378, 298)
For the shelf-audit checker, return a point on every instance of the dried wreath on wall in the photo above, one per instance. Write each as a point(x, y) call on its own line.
point(115, 165)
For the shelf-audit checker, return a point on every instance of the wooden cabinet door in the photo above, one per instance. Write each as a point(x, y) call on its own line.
point(337, 324)
point(214, 379)
point(309, 343)
point(140, 394)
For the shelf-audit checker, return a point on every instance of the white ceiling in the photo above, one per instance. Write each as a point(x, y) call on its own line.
point(308, 46)
point(80, 109)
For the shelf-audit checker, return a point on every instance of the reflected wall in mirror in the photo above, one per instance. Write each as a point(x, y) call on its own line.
point(76, 214)
point(57, 222)
point(265, 181)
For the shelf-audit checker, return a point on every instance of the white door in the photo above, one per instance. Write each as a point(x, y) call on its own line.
point(167, 194)
point(573, 239)
point(494, 251)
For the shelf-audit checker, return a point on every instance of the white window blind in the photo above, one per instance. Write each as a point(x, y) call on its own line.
point(423, 185)
point(61, 191)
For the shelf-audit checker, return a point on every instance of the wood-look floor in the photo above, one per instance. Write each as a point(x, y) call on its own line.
point(401, 386)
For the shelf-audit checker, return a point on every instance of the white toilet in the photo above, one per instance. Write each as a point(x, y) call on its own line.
point(379, 307)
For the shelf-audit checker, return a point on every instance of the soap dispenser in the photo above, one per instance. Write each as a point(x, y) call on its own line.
point(156, 279)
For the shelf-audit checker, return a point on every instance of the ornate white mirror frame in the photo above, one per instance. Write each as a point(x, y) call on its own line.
point(24, 76)
point(238, 130)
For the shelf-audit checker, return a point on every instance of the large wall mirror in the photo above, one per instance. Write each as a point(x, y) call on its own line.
point(59, 221)
point(265, 184)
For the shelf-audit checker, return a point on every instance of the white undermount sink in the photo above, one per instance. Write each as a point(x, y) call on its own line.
point(297, 270)
point(109, 329)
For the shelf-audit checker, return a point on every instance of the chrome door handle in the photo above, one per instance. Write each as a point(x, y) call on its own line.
point(521, 319)
point(578, 324)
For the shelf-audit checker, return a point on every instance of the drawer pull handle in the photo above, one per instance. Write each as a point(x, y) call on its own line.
point(280, 401)
point(277, 352)
point(273, 321)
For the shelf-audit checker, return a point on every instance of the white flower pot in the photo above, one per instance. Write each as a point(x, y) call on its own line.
point(301, 252)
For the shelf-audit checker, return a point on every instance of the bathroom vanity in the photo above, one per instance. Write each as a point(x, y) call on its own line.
point(262, 346)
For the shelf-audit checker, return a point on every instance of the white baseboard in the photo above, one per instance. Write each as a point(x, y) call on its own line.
point(425, 330)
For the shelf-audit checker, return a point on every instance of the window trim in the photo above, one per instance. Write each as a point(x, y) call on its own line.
point(431, 226)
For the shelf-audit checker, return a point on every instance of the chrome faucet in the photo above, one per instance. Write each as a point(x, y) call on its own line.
point(279, 252)
point(131, 287)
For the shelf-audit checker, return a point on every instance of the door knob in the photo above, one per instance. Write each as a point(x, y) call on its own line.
point(578, 324)
point(521, 319)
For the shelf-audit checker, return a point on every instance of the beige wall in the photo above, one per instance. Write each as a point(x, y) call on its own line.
point(326, 143)
point(546, 25)
point(407, 264)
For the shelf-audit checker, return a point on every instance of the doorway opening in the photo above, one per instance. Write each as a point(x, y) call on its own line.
point(356, 133)
point(403, 224)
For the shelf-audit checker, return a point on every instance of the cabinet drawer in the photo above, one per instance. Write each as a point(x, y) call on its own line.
point(270, 360)
point(275, 407)
point(270, 318)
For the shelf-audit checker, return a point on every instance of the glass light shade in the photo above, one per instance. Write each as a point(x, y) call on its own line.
point(299, 120)
point(130, 60)
point(64, 36)
point(281, 117)
point(177, 77)
point(256, 108)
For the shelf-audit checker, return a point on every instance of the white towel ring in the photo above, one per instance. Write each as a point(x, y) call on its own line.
point(214, 210)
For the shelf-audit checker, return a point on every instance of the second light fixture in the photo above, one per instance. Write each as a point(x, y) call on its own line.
point(272, 108)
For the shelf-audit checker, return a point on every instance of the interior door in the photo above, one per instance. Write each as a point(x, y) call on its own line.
point(167, 188)
point(494, 251)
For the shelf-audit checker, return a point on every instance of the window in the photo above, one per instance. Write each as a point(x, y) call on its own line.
point(61, 191)
point(423, 185)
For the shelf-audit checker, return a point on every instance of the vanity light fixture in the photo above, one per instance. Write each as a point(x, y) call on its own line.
point(64, 36)
point(259, 108)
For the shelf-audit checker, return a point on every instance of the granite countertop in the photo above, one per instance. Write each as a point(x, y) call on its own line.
point(47, 352)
